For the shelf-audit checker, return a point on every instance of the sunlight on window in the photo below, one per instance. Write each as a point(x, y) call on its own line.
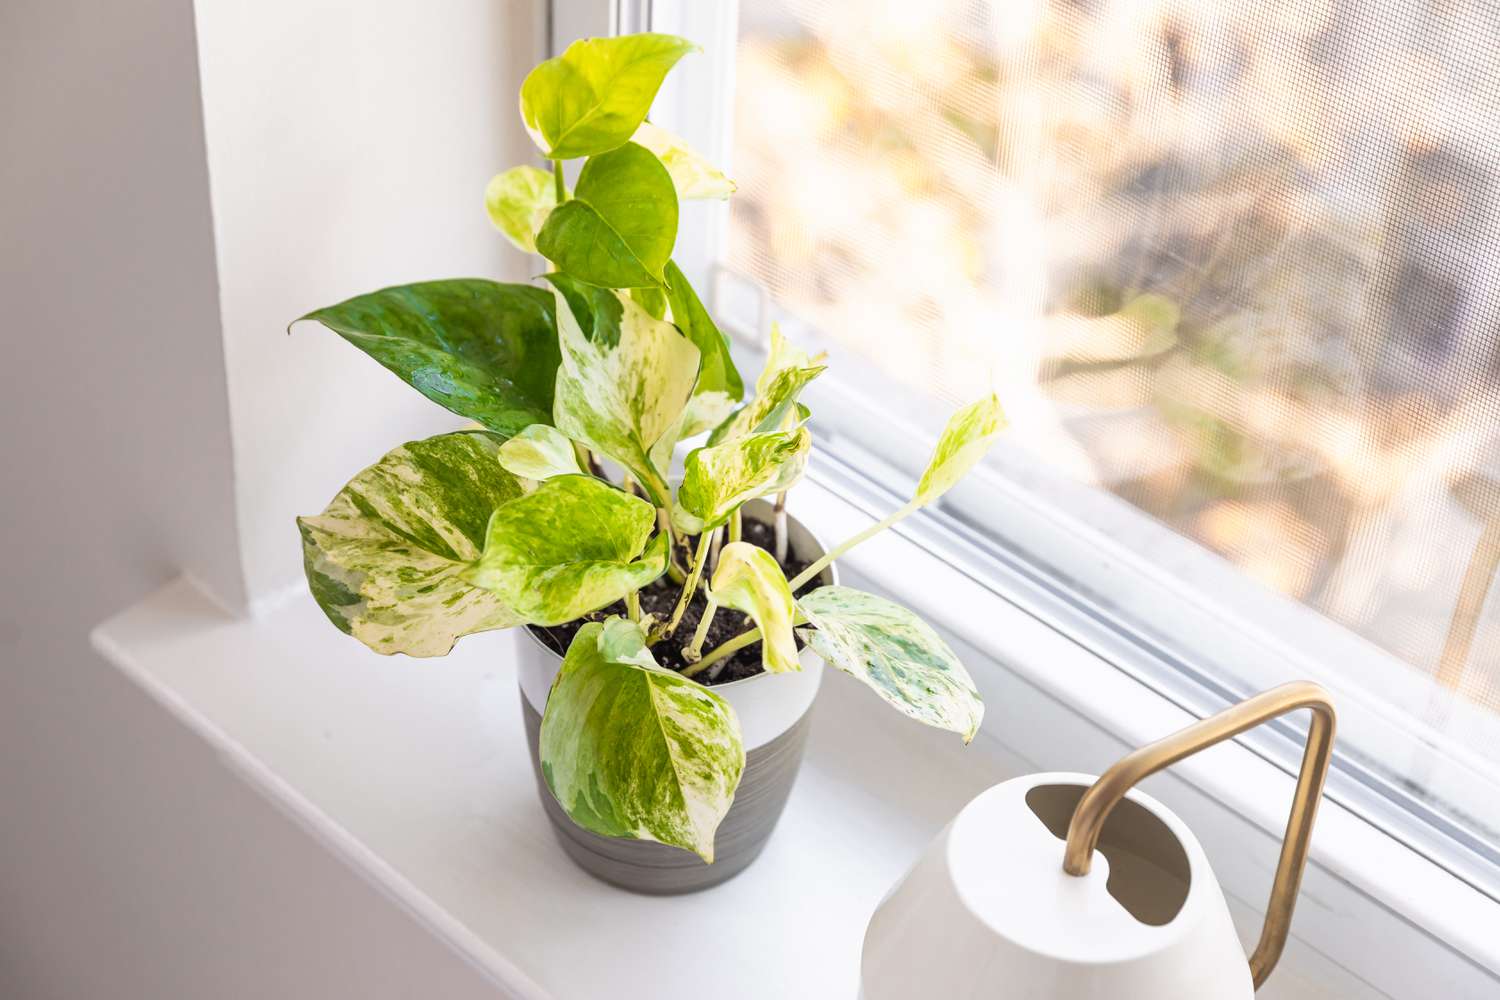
point(1237, 263)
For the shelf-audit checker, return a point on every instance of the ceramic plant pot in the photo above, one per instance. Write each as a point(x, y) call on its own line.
point(774, 719)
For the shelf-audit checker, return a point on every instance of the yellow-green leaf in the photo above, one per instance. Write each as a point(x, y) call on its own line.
point(964, 442)
point(896, 654)
point(595, 95)
point(620, 398)
point(717, 479)
point(386, 559)
point(518, 203)
point(774, 409)
point(571, 546)
point(631, 750)
point(621, 224)
point(719, 385)
point(693, 176)
point(749, 579)
point(540, 452)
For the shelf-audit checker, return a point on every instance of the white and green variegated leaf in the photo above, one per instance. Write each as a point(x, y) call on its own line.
point(717, 479)
point(540, 452)
point(622, 387)
point(783, 354)
point(719, 385)
point(775, 409)
point(595, 95)
point(632, 750)
point(693, 175)
point(385, 561)
point(963, 443)
point(571, 546)
point(749, 579)
point(518, 203)
point(896, 653)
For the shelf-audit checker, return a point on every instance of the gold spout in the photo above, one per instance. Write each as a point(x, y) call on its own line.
point(1097, 803)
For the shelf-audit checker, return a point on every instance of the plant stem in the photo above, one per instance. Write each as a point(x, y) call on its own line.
point(694, 652)
point(558, 185)
point(691, 586)
point(838, 550)
point(735, 526)
point(713, 552)
point(719, 652)
point(633, 605)
point(664, 525)
point(733, 646)
point(779, 524)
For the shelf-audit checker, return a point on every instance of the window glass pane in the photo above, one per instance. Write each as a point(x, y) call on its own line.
point(1234, 263)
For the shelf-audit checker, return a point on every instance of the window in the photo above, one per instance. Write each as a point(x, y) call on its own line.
point(1235, 270)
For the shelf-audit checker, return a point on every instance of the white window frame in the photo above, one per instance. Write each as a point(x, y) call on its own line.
point(1389, 867)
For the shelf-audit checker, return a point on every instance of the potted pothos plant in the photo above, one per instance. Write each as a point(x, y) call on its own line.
point(678, 623)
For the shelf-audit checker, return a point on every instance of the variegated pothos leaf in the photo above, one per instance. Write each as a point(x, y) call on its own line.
point(964, 441)
point(540, 452)
point(518, 203)
point(632, 750)
point(896, 654)
point(775, 409)
point(717, 479)
point(749, 579)
point(693, 175)
point(620, 399)
point(483, 349)
point(385, 560)
point(719, 385)
point(571, 546)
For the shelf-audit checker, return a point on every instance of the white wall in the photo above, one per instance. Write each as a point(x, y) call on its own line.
point(347, 146)
point(349, 142)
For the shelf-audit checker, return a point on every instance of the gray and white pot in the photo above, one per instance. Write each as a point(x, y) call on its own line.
point(773, 710)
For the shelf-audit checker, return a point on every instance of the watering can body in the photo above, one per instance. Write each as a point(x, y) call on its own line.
point(989, 912)
point(1071, 887)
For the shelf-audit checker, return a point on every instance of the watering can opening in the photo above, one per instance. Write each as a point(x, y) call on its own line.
point(1149, 871)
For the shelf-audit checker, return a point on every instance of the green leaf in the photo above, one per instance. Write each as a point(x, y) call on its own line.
point(621, 399)
point(896, 653)
point(540, 452)
point(518, 202)
point(774, 409)
point(719, 385)
point(964, 442)
point(569, 547)
point(749, 579)
point(717, 479)
point(596, 310)
point(385, 560)
point(595, 95)
point(485, 350)
point(653, 300)
point(693, 176)
point(620, 226)
point(632, 750)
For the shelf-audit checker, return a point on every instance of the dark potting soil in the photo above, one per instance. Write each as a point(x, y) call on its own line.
point(660, 597)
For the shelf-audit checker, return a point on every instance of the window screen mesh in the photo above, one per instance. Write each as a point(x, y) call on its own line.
point(1235, 262)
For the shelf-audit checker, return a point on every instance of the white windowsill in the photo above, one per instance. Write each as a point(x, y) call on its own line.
point(414, 773)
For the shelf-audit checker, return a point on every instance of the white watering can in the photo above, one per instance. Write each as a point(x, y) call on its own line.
point(1064, 887)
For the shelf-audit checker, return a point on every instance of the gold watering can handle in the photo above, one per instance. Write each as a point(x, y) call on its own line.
point(1097, 803)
